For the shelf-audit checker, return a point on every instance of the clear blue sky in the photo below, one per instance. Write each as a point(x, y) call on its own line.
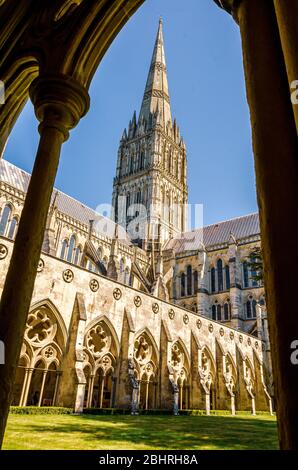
point(206, 81)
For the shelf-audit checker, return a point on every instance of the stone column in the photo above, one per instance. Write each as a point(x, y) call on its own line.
point(27, 388)
point(44, 375)
point(207, 403)
point(59, 103)
point(24, 386)
point(269, 42)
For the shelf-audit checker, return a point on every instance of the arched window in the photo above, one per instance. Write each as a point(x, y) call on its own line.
point(254, 274)
point(121, 270)
point(4, 219)
point(99, 252)
point(71, 248)
point(142, 160)
point(213, 312)
point(127, 276)
point(78, 253)
point(213, 286)
point(189, 280)
point(196, 282)
point(182, 285)
point(251, 311)
point(218, 312)
point(227, 310)
point(245, 274)
point(63, 249)
point(105, 262)
point(220, 275)
point(12, 228)
point(227, 272)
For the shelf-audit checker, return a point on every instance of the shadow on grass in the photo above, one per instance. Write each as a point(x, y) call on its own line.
point(141, 432)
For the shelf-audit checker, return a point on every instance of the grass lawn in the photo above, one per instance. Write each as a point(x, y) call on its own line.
point(86, 432)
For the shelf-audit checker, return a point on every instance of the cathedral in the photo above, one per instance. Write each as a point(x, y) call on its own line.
point(136, 311)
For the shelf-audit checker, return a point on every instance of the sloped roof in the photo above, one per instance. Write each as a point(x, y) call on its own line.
point(67, 205)
point(216, 234)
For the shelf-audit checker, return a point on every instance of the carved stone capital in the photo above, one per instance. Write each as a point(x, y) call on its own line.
point(59, 102)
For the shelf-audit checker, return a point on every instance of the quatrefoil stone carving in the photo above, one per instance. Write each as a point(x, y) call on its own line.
point(94, 285)
point(171, 314)
point(155, 307)
point(3, 251)
point(185, 318)
point(117, 293)
point(68, 275)
point(40, 265)
point(137, 301)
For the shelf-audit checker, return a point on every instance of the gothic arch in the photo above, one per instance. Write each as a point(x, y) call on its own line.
point(51, 306)
point(103, 318)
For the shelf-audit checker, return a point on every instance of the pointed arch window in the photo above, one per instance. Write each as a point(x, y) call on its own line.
point(78, 253)
point(245, 274)
point(213, 286)
point(4, 219)
point(213, 312)
point(227, 310)
point(227, 273)
point(71, 248)
point(196, 282)
point(219, 275)
point(218, 312)
point(182, 285)
point(63, 249)
point(189, 280)
point(12, 228)
point(251, 308)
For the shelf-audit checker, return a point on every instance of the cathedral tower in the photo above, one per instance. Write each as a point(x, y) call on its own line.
point(150, 187)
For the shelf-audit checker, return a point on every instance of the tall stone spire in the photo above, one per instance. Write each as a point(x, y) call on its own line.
point(156, 97)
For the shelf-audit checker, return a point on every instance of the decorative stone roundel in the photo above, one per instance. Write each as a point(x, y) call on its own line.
point(117, 293)
point(210, 327)
point(155, 307)
point(185, 318)
point(249, 341)
point(40, 265)
point(137, 301)
point(232, 335)
point(199, 324)
point(221, 332)
point(3, 251)
point(94, 285)
point(240, 339)
point(171, 314)
point(68, 275)
point(256, 345)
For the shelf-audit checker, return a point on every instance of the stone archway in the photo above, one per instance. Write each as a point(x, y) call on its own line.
point(100, 359)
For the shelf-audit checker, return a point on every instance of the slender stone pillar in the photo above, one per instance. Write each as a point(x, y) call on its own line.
point(24, 386)
point(59, 103)
point(233, 407)
point(27, 388)
point(207, 403)
point(44, 375)
point(270, 50)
